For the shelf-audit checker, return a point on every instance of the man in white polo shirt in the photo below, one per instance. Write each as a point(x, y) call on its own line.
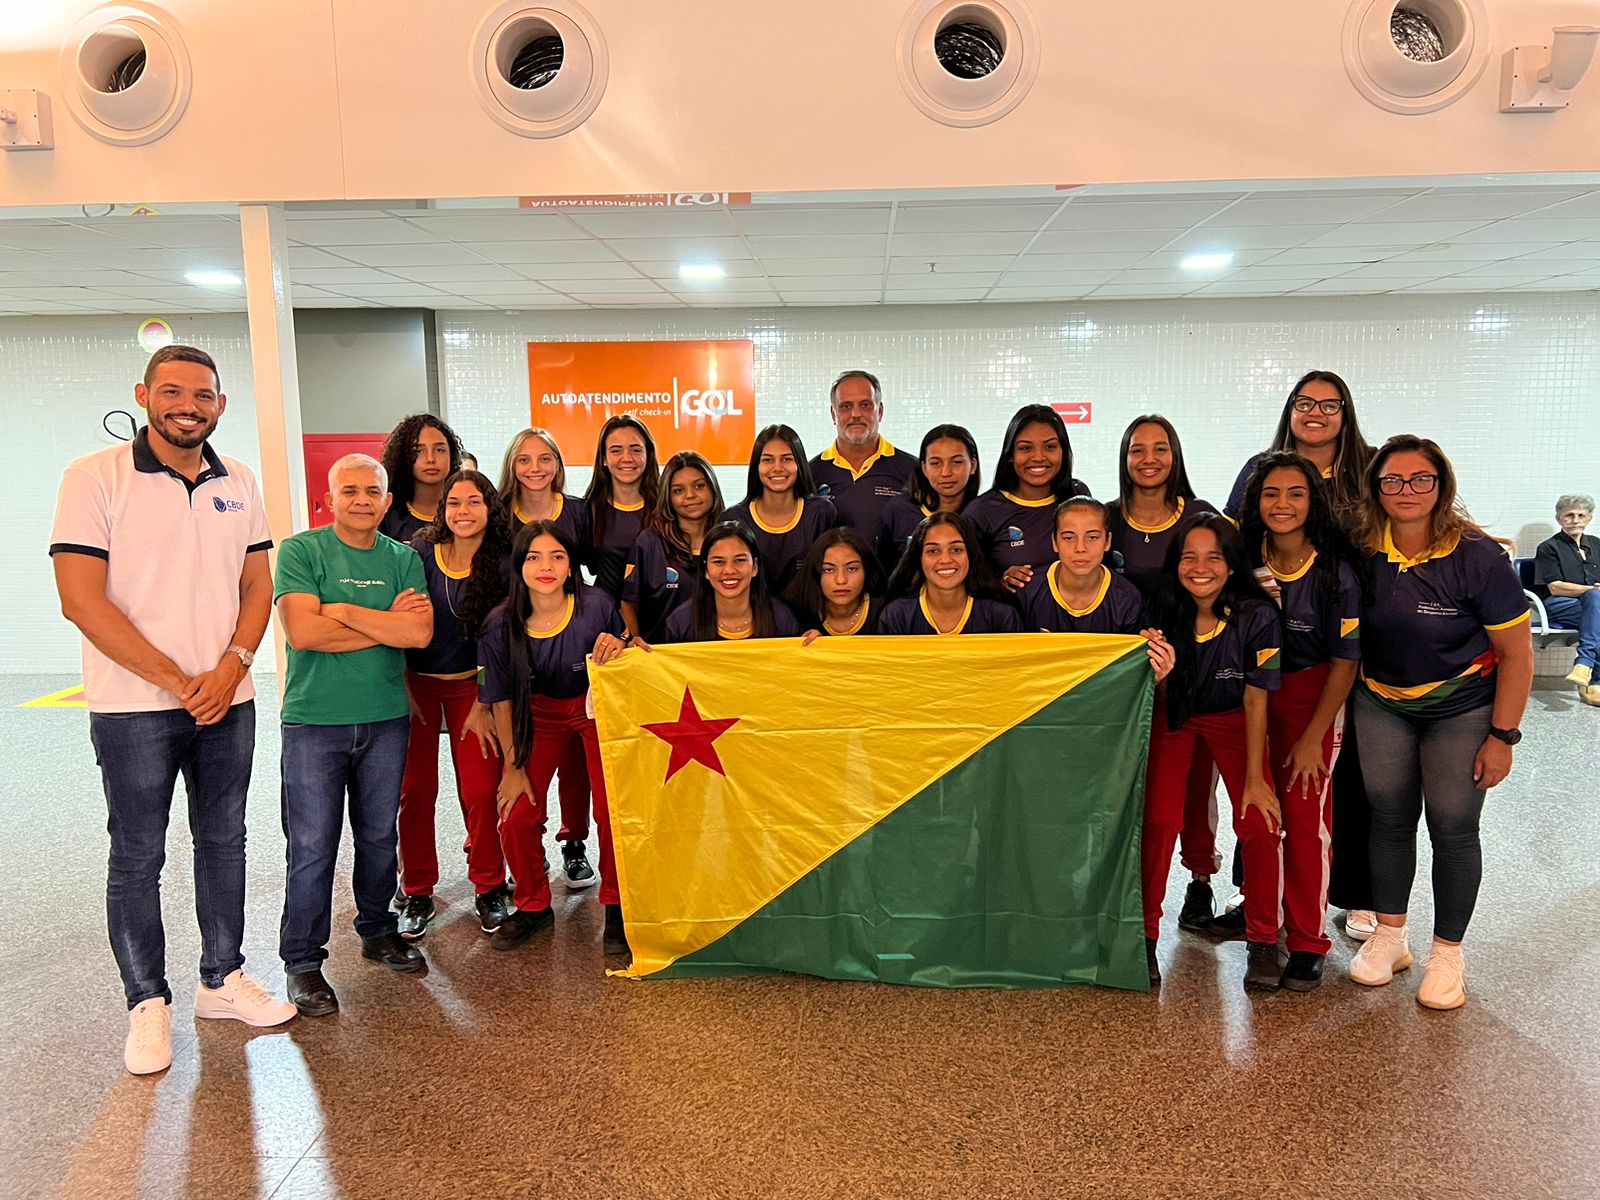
point(160, 553)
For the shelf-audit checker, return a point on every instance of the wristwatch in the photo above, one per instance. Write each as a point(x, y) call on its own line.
point(245, 656)
point(1509, 736)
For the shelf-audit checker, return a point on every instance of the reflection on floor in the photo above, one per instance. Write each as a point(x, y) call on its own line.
point(531, 1074)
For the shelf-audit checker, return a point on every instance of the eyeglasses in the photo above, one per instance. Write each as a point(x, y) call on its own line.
point(1304, 404)
point(1421, 485)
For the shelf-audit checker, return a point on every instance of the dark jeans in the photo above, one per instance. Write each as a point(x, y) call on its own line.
point(1583, 614)
point(141, 756)
point(320, 764)
point(1413, 767)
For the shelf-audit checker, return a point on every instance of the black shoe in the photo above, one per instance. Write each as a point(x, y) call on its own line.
point(414, 917)
point(494, 907)
point(1263, 967)
point(1150, 960)
point(1197, 901)
point(520, 926)
point(309, 992)
point(1304, 973)
point(576, 866)
point(1229, 925)
point(615, 938)
point(394, 952)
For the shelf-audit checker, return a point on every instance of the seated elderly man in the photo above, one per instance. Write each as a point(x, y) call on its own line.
point(1567, 568)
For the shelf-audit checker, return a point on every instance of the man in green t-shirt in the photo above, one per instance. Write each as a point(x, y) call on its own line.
point(351, 601)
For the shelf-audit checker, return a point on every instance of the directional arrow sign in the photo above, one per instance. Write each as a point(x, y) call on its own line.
point(1076, 413)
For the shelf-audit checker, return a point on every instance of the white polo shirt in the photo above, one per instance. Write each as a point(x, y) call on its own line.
point(174, 553)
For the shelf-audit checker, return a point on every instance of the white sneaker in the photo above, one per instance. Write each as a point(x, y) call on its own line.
point(1380, 956)
point(1444, 985)
point(1360, 923)
point(1581, 674)
point(241, 998)
point(149, 1045)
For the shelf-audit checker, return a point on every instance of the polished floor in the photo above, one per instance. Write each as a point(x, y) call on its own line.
point(532, 1074)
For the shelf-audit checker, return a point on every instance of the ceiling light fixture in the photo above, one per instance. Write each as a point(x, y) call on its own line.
point(213, 279)
point(1208, 261)
point(701, 272)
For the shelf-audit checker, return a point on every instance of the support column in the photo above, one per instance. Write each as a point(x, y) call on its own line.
point(277, 378)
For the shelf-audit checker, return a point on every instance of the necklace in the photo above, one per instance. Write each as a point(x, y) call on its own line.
point(449, 583)
point(850, 621)
point(1277, 570)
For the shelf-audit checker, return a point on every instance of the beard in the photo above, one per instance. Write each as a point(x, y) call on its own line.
point(174, 436)
point(867, 437)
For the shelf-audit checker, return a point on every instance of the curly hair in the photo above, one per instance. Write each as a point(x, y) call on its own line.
point(400, 453)
point(486, 585)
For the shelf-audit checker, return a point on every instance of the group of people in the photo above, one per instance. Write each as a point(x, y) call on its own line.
point(1340, 588)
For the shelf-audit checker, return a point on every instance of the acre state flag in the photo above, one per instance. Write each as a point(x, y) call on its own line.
point(956, 812)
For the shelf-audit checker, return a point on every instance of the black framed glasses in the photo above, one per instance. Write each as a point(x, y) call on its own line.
point(1304, 404)
point(1393, 485)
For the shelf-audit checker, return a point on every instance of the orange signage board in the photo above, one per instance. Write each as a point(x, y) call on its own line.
point(693, 395)
point(639, 200)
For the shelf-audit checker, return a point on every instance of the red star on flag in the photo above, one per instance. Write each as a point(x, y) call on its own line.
point(691, 737)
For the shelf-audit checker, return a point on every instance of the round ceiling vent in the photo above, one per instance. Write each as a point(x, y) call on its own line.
point(1415, 56)
point(126, 73)
point(539, 71)
point(967, 63)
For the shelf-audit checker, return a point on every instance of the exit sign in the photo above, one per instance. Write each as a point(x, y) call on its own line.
point(1078, 412)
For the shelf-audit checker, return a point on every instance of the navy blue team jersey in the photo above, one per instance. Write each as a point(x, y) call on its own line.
point(1425, 648)
point(896, 525)
point(783, 547)
point(1117, 608)
point(861, 496)
point(1013, 532)
point(572, 518)
point(868, 621)
point(680, 625)
point(1244, 650)
point(656, 581)
point(451, 653)
point(909, 615)
point(608, 561)
point(557, 660)
point(402, 523)
point(1141, 550)
point(1320, 623)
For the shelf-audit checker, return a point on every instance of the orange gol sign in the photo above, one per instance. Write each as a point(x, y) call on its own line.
point(639, 200)
point(693, 395)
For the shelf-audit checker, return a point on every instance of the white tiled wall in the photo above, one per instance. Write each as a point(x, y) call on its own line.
point(58, 378)
point(1508, 383)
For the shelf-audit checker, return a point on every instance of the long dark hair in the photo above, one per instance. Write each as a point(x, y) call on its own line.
point(805, 592)
point(804, 487)
point(1175, 609)
point(1005, 471)
point(1352, 454)
point(908, 579)
point(1178, 485)
point(485, 586)
point(762, 624)
point(519, 607)
point(1322, 529)
point(1449, 517)
point(920, 490)
point(600, 489)
point(662, 518)
point(400, 453)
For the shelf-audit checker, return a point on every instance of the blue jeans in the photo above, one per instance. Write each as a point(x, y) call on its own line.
point(321, 763)
point(141, 756)
point(1413, 766)
point(1583, 614)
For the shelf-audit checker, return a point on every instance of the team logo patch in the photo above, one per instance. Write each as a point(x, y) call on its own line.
point(1267, 659)
point(1349, 627)
point(672, 577)
point(227, 506)
point(825, 490)
point(627, 572)
point(1014, 534)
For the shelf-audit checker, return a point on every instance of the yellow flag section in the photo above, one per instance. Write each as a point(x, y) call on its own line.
point(735, 769)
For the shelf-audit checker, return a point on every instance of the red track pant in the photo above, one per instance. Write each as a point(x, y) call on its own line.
point(1307, 815)
point(572, 791)
point(1172, 753)
point(445, 703)
point(1198, 844)
point(557, 726)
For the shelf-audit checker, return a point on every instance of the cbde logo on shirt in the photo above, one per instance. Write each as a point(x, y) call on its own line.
point(227, 506)
point(693, 395)
point(1014, 534)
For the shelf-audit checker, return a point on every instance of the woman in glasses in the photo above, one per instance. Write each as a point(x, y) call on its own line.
point(1446, 665)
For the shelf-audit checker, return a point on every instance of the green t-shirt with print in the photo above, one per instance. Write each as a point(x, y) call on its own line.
point(355, 687)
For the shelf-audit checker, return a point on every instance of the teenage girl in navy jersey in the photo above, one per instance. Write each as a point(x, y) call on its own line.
point(780, 504)
point(731, 600)
point(1226, 634)
point(420, 453)
point(839, 587)
point(947, 479)
point(1289, 528)
point(944, 586)
point(533, 655)
point(1153, 495)
point(533, 486)
point(624, 486)
point(663, 564)
point(1015, 518)
point(464, 552)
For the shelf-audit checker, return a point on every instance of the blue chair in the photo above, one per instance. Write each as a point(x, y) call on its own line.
point(1540, 618)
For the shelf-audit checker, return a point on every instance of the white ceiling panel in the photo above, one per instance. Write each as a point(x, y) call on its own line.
point(974, 218)
point(1353, 255)
point(636, 284)
point(1394, 233)
point(383, 291)
point(1584, 208)
point(500, 287)
point(1039, 293)
point(430, 254)
point(785, 267)
point(610, 269)
point(933, 245)
point(1088, 260)
point(939, 296)
point(319, 276)
point(516, 253)
point(464, 273)
point(1258, 237)
point(1308, 209)
point(1166, 259)
point(518, 227)
point(955, 262)
point(1067, 279)
point(54, 236)
point(809, 222)
point(656, 223)
point(1568, 252)
point(1532, 229)
point(1163, 214)
point(368, 231)
point(1444, 205)
point(714, 249)
point(668, 268)
point(1058, 241)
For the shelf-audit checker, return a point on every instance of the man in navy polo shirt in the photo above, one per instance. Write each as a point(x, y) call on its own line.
point(160, 553)
point(860, 472)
